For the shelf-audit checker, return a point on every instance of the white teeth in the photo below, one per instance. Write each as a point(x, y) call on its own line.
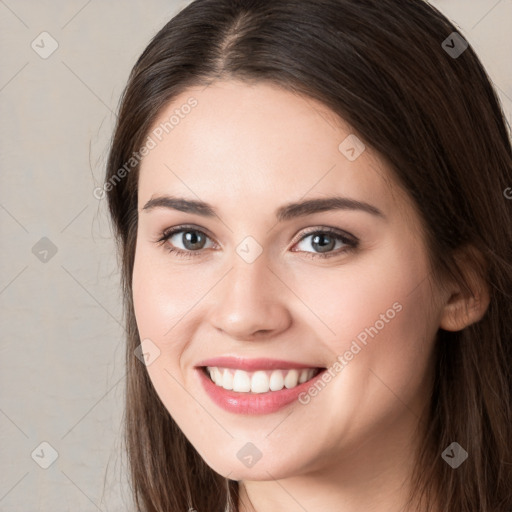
point(241, 381)
point(290, 381)
point(303, 376)
point(261, 381)
point(276, 381)
point(217, 376)
point(227, 379)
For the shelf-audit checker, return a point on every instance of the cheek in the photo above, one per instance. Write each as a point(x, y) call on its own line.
point(161, 303)
point(160, 298)
point(384, 332)
point(379, 307)
point(377, 292)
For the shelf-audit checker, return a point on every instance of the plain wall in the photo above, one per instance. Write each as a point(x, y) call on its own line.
point(61, 338)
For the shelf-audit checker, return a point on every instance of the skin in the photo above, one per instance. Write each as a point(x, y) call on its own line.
point(247, 150)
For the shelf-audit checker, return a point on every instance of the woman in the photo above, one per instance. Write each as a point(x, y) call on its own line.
point(310, 204)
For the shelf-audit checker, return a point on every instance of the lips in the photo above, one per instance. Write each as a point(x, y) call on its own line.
point(261, 400)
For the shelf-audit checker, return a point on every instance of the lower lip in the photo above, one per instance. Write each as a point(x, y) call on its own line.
point(253, 403)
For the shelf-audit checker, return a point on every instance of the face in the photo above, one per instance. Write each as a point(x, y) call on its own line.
point(341, 286)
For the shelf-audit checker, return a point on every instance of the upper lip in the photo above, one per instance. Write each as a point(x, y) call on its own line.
point(262, 363)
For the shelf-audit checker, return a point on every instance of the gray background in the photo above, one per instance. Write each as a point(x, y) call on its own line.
point(62, 374)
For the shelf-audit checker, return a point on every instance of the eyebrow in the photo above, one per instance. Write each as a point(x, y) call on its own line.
point(286, 212)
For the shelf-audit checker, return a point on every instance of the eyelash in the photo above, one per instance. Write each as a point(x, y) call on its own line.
point(351, 242)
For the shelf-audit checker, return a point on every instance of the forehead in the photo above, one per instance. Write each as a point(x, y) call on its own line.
point(260, 143)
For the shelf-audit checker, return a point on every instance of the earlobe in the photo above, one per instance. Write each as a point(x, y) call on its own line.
point(461, 309)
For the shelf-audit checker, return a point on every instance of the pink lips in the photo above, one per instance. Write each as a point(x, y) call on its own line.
point(251, 403)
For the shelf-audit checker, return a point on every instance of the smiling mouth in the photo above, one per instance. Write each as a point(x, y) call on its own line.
point(259, 381)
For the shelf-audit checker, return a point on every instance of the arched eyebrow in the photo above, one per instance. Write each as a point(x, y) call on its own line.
point(283, 213)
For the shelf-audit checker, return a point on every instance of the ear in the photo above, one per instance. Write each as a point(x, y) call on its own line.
point(461, 309)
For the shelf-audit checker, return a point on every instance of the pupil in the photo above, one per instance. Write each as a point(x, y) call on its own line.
point(192, 237)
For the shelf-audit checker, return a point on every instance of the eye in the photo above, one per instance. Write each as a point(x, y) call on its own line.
point(192, 239)
point(324, 240)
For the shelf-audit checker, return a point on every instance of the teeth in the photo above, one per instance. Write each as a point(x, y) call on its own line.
point(227, 380)
point(290, 381)
point(303, 376)
point(276, 381)
point(261, 381)
point(241, 381)
point(216, 376)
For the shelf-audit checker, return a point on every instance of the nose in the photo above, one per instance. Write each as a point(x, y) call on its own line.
point(250, 302)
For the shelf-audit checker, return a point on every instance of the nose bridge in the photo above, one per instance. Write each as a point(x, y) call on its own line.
point(249, 280)
point(250, 299)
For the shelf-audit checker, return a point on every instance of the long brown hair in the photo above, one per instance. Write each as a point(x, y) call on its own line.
point(383, 66)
